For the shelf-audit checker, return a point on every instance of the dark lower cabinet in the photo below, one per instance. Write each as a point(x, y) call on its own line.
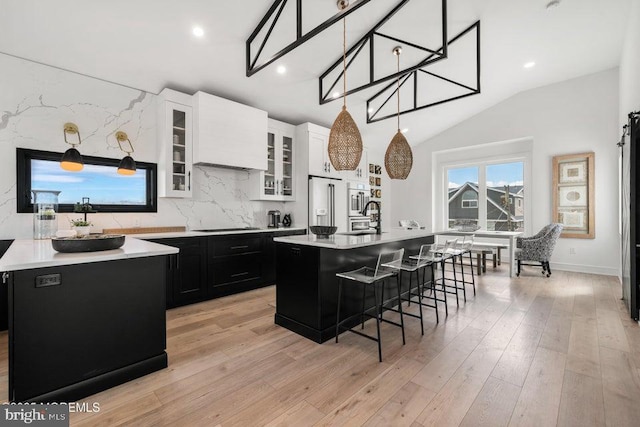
point(4, 245)
point(187, 271)
point(219, 265)
point(79, 329)
point(235, 263)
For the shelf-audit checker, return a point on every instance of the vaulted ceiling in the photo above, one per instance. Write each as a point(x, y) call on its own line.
point(149, 45)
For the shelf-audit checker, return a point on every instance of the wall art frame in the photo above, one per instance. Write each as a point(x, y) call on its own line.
point(574, 195)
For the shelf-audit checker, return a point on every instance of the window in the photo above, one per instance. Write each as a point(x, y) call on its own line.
point(463, 196)
point(108, 191)
point(489, 195)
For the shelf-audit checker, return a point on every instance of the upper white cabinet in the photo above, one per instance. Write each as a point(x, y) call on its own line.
point(361, 173)
point(175, 130)
point(277, 182)
point(228, 133)
point(316, 138)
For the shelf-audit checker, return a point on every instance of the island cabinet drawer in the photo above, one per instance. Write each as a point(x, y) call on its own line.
point(235, 246)
point(240, 268)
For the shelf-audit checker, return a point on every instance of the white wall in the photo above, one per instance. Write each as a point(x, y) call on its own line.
point(574, 116)
point(36, 101)
point(630, 65)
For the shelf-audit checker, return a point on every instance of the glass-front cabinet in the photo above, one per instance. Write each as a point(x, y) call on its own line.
point(175, 131)
point(277, 182)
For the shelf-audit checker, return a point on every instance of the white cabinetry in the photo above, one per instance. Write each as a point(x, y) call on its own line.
point(277, 182)
point(361, 173)
point(229, 134)
point(316, 138)
point(175, 130)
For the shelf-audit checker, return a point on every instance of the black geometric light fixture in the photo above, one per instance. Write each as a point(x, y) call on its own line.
point(422, 81)
point(127, 164)
point(71, 159)
point(364, 51)
point(262, 33)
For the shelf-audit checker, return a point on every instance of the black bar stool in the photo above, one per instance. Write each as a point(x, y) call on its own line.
point(446, 255)
point(415, 264)
point(463, 249)
point(375, 278)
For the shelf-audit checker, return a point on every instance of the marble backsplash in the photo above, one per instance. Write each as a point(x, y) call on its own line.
point(37, 100)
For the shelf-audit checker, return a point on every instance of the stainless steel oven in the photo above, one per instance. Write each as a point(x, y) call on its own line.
point(358, 196)
point(359, 223)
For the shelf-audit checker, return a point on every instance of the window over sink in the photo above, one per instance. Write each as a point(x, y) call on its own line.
point(107, 190)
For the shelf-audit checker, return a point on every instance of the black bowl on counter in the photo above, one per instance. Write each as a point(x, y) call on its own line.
point(90, 243)
point(323, 231)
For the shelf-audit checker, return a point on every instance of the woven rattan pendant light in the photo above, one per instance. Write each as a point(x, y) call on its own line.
point(398, 159)
point(345, 142)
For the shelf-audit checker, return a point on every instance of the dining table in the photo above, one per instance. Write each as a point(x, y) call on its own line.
point(491, 234)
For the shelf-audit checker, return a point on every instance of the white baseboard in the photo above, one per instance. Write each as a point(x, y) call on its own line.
point(590, 269)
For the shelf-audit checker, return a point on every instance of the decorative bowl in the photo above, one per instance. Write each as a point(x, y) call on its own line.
point(323, 231)
point(89, 243)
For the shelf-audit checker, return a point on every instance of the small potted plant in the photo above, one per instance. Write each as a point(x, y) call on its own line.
point(82, 227)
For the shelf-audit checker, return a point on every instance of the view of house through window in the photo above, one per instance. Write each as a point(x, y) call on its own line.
point(463, 196)
point(495, 202)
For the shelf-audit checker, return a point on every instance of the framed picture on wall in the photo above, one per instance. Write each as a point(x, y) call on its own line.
point(574, 194)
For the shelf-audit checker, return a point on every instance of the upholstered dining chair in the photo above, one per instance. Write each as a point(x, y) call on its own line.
point(538, 248)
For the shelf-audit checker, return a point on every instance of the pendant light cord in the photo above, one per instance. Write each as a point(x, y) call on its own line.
point(398, 55)
point(344, 61)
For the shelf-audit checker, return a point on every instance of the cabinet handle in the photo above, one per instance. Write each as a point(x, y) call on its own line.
point(240, 274)
point(239, 247)
point(189, 186)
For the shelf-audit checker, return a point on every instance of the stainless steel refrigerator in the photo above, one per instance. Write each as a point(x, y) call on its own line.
point(328, 202)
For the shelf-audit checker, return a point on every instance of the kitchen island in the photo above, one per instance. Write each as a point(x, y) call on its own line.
point(83, 322)
point(306, 283)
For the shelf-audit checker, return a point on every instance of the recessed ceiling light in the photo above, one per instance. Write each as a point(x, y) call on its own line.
point(198, 31)
point(529, 64)
point(553, 4)
point(370, 110)
point(336, 94)
point(281, 69)
point(405, 130)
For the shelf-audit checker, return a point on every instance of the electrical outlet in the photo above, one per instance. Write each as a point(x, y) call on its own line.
point(136, 223)
point(572, 251)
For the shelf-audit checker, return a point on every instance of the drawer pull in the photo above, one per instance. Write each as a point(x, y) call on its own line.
point(240, 247)
point(240, 274)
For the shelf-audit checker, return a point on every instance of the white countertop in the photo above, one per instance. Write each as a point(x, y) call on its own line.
point(338, 241)
point(177, 234)
point(24, 254)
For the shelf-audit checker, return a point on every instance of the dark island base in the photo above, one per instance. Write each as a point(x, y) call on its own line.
point(103, 382)
point(78, 329)
point(307, 287)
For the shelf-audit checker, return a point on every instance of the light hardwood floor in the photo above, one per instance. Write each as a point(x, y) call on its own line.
point(526, 351)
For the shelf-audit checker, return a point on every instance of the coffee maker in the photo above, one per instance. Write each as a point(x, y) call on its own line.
point(274, 219)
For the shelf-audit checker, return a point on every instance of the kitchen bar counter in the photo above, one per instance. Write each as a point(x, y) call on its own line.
point(194, 233)
point(26, 254)
point(341, 241)
point(306, 283)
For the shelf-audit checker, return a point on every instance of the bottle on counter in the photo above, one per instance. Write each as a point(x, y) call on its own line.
point(45, 210)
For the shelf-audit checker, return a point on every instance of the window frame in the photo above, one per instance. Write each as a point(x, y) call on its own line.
point(454, 159)
point(23, 182)
point(470, 207)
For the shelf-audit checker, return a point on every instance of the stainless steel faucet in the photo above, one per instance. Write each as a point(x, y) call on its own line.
point(379, 222)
